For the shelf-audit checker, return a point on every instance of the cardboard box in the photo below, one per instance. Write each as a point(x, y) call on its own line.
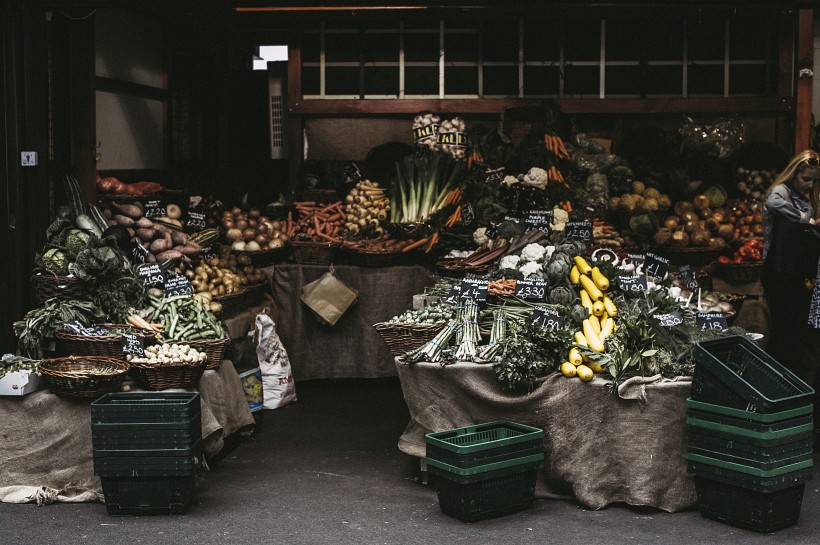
point(252, 385)
point(20, 383)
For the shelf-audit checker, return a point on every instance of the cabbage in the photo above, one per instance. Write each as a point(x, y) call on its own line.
point(54, 260)
point(76, 241)
point(717, 196)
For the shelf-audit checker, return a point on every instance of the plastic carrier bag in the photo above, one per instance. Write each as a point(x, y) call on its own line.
point(278, 387)
point(328, 297)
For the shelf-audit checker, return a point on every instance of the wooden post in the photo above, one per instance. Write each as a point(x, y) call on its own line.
point(295, 129)
point(803, 72)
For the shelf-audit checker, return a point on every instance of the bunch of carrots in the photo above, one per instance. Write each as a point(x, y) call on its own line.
point(428, 242)
point(321, 222)
point(501, 286)
point(556, 146)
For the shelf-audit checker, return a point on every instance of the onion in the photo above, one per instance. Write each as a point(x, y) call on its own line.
point(276, 243)
point(241, 223)
point(234, 234)
point(236, 210)
point(252, 223)
point(261, 239)
point(262, 228)
point(284, 237)
point(248, 234)
point(228, 224)
point(254, 213)
point(239, 246)
point(276, 225)
point(252, 246)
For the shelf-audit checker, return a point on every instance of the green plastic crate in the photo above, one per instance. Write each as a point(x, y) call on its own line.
point(148, 495)
point(749, 470)
point(481, 444)
point(145, 408)
point(762, 438)
point(747, 481)
point(733, 371)
point(747, 451)
point(759, 511)
point(748, 415)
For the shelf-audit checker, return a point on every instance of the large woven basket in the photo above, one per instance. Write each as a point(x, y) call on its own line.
point(263, 258)
point(161, 377)
point(694, 256)
point(456, 268)
point(48, 285)
point(70, 344)
point(402, 338)
point(231, 304)
point(254, 295)
point(213, 348)
point(83, 377)
point(737, 273)
point(372, 258)
point(313, 253)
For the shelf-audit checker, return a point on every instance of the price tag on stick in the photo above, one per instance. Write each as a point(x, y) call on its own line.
point(711, 320)
point(688, 278)
point(454, 295)
point(531, 289)
point(176, 285)
point(152, 275)
point(578, 230)
point(155, 208)
point(632, 283)
point(196, 221)
point(656, 265)
point(139, 253)
point(475, 289)
point(133, 344)
point(547, 317)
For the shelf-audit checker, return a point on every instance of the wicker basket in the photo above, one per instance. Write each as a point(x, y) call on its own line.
point(231, 304)
point(321, 196)
point(456, 268)
point(161, 377)
point(48, 285)
point(372, 258)
point(83, 377)
point(214, 348)
point(70, 344)
point(737, 273)
point(313, 253)
point(254, 295)
point(263, 258)
point(401, 338)
point(695, 256)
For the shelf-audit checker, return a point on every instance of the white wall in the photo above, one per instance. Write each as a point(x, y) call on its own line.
point(129, 128)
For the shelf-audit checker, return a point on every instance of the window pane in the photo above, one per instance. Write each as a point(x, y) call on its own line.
point(341, 47)
point(623, 80)
point(341, 81)
point(461, 80)
point(663, 40)
point(381, 80)
point(751, 39)
point(705, 79)
point(542, 40)
point(664, 80)
point(581, 81)
point(310, 47)
point(748, 79)
point(461, 46)
point(310, 81)
point(381, 47)
point(706, 39)
point(421, 47)
point(501, 80)
point(421, 80)
point(625, 39)
point(582, 39)
point(541, 80)
point(501, 41)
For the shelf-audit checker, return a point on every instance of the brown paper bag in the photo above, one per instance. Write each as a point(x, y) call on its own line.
point(328, 297)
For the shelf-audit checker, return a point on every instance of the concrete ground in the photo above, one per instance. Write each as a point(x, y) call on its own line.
point(327, 470)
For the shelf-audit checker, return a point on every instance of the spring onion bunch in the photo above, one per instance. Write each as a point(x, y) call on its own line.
point(422, 183)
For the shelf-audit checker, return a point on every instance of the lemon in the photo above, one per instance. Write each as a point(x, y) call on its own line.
point(595, 367)
point(584, 373)
point(568, 370)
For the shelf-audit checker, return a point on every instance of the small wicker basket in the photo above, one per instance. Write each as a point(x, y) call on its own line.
point(402, 338)
point(160, 377)
point(313, 253)
point(83, 377)
point(232, 304)
point(213, 348)
point(263, 258)
point(737, 273)
point(70, 344)
point(48, 285)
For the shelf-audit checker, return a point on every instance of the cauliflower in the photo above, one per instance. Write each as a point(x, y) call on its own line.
point(480, 236)
point(559, 219)
point(549, 251)
point(529, 269)
point(536, 177)
point(509, 262)
point(533, 252)
point(509, 181)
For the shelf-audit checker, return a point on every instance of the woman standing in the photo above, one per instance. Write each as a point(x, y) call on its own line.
point(791, 250)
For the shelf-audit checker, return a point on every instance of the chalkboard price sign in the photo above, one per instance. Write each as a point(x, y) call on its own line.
point(495, 175)
point(539, 219)
point(139, 253)
point(688, 278)
point(155, 208)
point(548, 318)
point(133, 344)
point(177, 285)
point(578, 230)
point(531, 289)
point(196, 221)
point(669, 319)
point(208, 252)
point(75, 327)
point(152, 275)
point(467, 214)
point(454, 295)
point(711, 320)
point(475, 289)
point(656, 265)
point(632, 283)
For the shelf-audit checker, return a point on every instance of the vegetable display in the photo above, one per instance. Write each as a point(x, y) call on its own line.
point(366, 208)
point(161, 241)
point(317, 222)
point(169, 354)
point(252, 231)
point(185, 319)
point(40, 324)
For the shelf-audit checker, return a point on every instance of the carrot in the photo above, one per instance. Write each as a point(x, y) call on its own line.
point(304, 203)
point(431, 242)
point(414, 245)
point(328, 237)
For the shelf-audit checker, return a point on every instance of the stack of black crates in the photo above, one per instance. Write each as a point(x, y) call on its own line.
point(487, 470)
point(749, 435)
point(147, 446)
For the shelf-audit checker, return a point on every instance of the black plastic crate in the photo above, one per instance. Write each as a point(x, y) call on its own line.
point(759, 438)
point(748, 477)
point(148, 495)
point(145, 408)
point(758, 511)
point(749, 451)
point(769, 463)
point(156, 438)
point(482, 444)
point(733, 371)
point(153, 463)
point(751, 425)
point(482, 495)
point(749, 415)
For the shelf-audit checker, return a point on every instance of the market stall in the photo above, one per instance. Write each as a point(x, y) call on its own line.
point(47, 448)
point(599, 448)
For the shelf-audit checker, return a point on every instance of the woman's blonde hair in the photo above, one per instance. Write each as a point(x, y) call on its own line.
point(799, 163)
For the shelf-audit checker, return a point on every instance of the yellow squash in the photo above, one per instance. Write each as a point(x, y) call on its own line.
point(594, 293)
point(583, 266)
point(600, 280)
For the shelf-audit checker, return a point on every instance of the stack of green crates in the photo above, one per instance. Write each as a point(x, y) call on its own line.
point(147, 446)
point(486, 470)
point(749, 435)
